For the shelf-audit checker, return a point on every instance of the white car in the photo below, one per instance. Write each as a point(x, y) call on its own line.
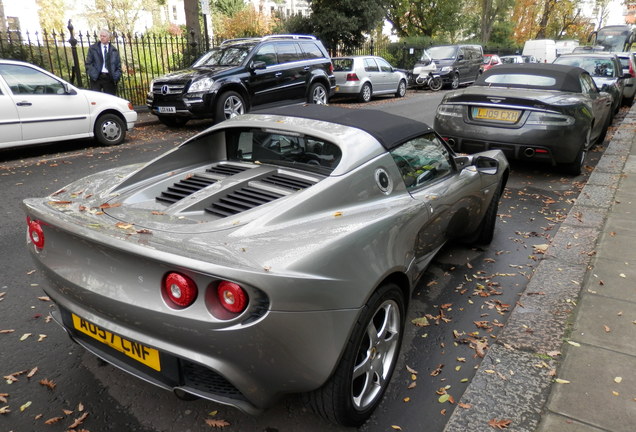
point(38, 107)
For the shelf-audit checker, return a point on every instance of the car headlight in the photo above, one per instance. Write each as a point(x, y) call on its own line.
point(201, 85)
point(549, 119)
point(450, 110)
point(446, 69)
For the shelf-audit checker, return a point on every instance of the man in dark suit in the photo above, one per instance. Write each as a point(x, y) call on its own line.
point(103, 64)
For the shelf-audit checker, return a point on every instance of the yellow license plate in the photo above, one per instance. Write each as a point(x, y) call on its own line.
point(496, 114)
point(141, 353)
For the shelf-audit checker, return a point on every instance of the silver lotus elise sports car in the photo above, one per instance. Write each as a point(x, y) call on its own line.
point(272, 253)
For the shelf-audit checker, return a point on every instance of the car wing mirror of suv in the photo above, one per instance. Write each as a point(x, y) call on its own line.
point(256, 65)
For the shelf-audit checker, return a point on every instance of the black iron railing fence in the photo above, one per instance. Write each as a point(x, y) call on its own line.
point(146, 56)
point(143, 57)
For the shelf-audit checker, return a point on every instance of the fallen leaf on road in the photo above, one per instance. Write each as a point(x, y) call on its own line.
point(78, 421)
point(216, 423)
point(499, 424)
point(53, 420)
point(562, 381)
point(48, 383)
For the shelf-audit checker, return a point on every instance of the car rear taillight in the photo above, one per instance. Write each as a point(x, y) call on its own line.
point(631, 69)
point(179, 290)
point(232, 297)
point(36, 234)
point(352, 77)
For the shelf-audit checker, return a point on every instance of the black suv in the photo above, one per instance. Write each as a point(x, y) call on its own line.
point(244, 73)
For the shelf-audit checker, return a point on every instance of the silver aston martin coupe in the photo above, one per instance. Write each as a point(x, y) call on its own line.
point(272, 253)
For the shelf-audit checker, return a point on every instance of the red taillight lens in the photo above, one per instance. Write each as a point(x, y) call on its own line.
point(179, 290)
point(352, 77)
point(232, 297)
point(36, 234)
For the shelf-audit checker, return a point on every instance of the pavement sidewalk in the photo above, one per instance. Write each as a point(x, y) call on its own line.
point(566, 358)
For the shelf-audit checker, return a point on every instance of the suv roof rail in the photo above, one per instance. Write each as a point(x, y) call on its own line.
point(239, 40)
point(289, 36)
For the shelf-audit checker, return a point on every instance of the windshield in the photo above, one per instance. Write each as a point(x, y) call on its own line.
point(225, 56)
point(613, 38)
point(443, 52)
point(426, 57)
point(597, 67)
point(266, 146)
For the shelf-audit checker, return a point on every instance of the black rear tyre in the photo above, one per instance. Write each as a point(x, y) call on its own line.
point(435, 84)
point(363, 374)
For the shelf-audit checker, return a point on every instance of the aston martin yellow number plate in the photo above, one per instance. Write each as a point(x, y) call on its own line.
point(141, 353)
point(496, 114)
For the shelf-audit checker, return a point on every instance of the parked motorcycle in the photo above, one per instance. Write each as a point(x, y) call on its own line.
point(424, 73)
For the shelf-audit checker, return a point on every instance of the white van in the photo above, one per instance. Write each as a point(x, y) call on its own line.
point(566, 46)
point(544, 50)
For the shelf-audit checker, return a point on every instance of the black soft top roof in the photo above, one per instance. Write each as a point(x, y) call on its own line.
point(566, 77)
point(389, 129)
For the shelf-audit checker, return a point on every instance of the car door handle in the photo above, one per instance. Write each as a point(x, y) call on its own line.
point(24, 103)
point(306, 68)
point(278, 74)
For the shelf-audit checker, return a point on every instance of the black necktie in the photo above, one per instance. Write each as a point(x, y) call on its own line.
point(106, 57)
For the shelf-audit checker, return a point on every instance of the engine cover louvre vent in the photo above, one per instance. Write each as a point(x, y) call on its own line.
point(226, 170)
point(288, 182)
point(241, 200)
point(183, 188)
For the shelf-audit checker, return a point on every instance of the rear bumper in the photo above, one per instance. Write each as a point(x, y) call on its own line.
point(554, 145)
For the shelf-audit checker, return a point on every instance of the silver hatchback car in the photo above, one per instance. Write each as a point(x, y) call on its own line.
point(367, 76)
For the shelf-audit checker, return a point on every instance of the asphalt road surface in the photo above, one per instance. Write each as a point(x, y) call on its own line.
point(458, 308)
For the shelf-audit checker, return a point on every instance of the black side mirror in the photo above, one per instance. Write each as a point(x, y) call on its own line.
point(256, 65)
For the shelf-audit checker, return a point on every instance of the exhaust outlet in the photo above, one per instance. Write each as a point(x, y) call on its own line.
point(529, 152)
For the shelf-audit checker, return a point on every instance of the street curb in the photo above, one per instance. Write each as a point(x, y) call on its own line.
point(514, 379)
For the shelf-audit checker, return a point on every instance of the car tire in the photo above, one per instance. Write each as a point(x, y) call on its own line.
point(230, 104)
point(628, 102)
point(486, 230)
point(318, 94)
point(601, 137)
point(109, 129)
point(401, 90)
point(173, 121)
point(366, 92)
point(455, 81)
point(576, 167)
point(363, 374)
